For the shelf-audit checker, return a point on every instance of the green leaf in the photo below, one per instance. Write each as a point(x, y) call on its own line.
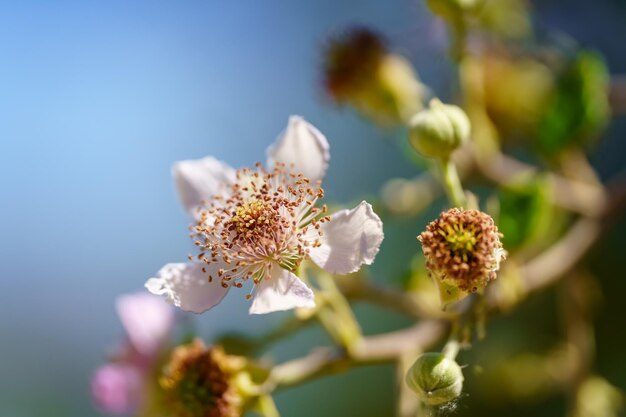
point(526, 214)
point(579, 110)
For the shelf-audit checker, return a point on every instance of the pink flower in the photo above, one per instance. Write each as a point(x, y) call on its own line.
point(119, 386)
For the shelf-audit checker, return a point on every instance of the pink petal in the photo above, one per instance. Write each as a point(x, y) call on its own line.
point(117, 388)
point(148, 321)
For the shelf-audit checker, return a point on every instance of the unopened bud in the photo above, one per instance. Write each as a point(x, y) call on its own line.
point(437, 131)
point(435, 378)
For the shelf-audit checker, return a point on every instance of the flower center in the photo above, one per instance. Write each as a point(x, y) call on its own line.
point(461, 238)
point(196, 382)
point(265, 219)
point(253, 218)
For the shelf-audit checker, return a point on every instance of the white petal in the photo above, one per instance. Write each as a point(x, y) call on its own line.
point(281, 291)
point(187, 287)
point(350, 239)
point(147, 320)
point(302, 145)
point(201, 179)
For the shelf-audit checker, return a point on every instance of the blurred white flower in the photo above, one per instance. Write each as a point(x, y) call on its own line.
point(260, 223)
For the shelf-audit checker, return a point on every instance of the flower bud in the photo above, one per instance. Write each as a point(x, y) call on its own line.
point(437, 131)
point(435, 378)
point(199, 382)
point(463, 252)
point(360, 71)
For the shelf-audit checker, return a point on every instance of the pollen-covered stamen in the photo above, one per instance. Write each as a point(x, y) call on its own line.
point(464, 246)
point(266, 218)
point(253, 216)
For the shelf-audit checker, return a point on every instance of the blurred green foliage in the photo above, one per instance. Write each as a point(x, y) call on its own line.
point(579, 110)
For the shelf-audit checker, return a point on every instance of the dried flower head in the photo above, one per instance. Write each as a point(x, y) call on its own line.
point(463, 252)
point(359, 70)
point(198, 382)
point(351, 60)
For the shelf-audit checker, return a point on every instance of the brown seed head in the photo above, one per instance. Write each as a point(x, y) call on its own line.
point(197, 382)
point(350, 61)
point(463, 247)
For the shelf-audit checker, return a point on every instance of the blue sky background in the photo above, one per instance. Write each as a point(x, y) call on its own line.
point(97, 100)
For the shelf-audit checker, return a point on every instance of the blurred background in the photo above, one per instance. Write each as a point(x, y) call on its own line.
point(98, 99)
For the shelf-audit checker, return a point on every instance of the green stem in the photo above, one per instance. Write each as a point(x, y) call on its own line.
point(337, 316)
point(288, 327)
point(267, 407)
point(452, 183)
point(451, 349)
point(458, 28)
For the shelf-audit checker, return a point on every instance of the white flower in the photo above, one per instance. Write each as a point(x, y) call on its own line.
point(259, 224)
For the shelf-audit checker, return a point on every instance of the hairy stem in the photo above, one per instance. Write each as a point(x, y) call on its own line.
point(385, 348)
point(337, 316)
point(452, 183)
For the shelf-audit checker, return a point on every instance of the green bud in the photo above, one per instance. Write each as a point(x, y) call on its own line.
point(437, 131)
point(435, 378)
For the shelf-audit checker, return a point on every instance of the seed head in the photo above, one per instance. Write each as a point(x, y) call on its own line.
point(198, 382)
point(463, 251)
point(351, 60)
point(360, 71)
